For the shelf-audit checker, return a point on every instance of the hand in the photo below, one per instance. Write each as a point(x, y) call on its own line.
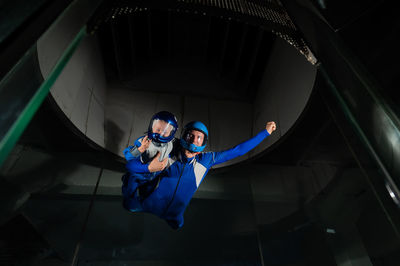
point(270, 127)
point(145, 144)
point(156, 165)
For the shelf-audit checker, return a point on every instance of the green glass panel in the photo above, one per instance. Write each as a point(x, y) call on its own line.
point(22, 92)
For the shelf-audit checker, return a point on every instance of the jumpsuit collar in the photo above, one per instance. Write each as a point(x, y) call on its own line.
point(184, 159)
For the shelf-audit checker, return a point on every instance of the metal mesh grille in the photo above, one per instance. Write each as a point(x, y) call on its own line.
point(269, 14)
point(270, 10)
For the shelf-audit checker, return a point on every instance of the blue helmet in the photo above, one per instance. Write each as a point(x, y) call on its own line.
point(194, 125)
point(162, 128)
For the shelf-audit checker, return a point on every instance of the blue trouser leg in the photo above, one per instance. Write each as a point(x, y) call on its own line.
point(132, 204)
point(176, 222)
point(131, 200)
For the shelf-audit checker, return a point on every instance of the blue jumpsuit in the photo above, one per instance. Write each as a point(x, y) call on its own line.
point(132, 152)
point(168, 195)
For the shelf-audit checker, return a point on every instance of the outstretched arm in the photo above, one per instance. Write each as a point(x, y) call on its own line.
point(243, 148)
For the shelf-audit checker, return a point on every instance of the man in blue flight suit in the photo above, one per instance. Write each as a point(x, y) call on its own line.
point(168, 195)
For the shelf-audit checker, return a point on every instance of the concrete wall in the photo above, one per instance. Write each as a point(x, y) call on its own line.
point(128, 114)
point(284, 91)
point(80, 89)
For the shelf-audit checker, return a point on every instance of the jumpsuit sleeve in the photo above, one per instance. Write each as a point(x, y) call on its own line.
point(239, 150)
point(136, 166)
point(132, 152)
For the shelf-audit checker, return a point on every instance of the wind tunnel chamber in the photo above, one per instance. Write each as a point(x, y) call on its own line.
point(141, 61)
point(297, 199)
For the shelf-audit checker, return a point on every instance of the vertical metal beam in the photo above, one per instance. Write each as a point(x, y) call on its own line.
point(207, 41)
point(132, 43)
point(224, 47)
point(78, 245)
point(169, 34)
point(241, 49)
point(260, 35)
point(117, 50)
point(150, 48)
point(256, 226)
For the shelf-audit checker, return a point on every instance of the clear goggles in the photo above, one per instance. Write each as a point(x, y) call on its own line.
point(194, 137)
point(163, 128)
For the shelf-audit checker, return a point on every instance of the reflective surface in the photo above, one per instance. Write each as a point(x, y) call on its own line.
point(371, 113)
point(23, 89)
point(14, 13)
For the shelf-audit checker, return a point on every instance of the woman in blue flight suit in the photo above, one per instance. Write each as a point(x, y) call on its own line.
point(168, 195)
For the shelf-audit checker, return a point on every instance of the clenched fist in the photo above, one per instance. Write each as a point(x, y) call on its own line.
point(270, 127)
point(145, 144)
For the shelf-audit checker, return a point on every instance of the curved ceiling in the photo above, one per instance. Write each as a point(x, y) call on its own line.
point(187, 53)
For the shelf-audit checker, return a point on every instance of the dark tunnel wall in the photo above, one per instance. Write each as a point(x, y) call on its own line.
point(113, 112)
